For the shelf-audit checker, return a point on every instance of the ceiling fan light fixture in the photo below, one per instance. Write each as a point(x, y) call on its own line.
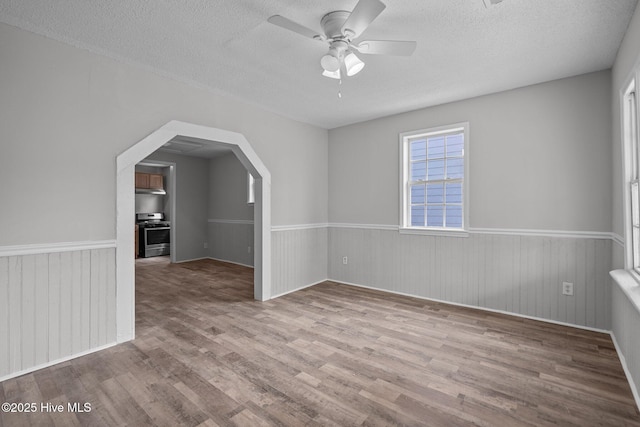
point(332, 74)
point(341, 30)
point(353, 64)
point(330, 63)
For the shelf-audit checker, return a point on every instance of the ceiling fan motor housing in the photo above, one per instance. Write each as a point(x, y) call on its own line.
point(332, 24)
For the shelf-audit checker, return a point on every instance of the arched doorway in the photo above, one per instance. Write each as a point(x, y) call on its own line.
point(126, 161)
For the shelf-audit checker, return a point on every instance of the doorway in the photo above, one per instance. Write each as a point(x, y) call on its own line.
point(168, 170)
point(126, 161)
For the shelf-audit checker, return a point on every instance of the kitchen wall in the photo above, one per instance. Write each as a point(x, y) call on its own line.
point(192, 188)
point(230, 216)
point(539, 185)
point(66, 114)
point(625, 309)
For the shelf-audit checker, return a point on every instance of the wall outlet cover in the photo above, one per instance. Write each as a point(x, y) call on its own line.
point(567, 288)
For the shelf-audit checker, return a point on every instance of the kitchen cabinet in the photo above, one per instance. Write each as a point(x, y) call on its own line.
point(155, 181)
point(137, 247)
point(142, 180)
point(149, 180)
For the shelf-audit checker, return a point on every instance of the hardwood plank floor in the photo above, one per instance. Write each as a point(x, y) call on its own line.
point(207, 354)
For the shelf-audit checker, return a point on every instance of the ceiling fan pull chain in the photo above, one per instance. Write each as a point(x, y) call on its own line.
point(339, 91)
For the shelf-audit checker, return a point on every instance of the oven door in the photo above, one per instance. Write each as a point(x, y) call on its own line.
point(156, 241)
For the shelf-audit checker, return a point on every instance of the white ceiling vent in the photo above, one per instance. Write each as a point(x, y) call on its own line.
point(181, 146)
point(488, 3)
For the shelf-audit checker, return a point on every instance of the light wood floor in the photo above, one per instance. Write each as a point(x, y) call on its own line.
point(207, 354)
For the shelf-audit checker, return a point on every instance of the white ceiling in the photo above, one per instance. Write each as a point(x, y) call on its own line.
point(464, 49)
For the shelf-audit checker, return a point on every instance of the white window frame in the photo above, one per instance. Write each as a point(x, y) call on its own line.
point(630, 118)
point(405, 208)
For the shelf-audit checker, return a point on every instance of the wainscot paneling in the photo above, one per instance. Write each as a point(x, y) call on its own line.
point(231, 240)
point(520, 274)
point(625, 324)
point(299, 258)
point(55, 305)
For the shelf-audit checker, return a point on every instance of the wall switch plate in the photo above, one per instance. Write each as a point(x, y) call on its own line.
point(248, 249)
point(345, 260)
point(206, 245)
point(567, 288)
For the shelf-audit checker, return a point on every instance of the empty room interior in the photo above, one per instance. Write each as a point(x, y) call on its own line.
point(347, 212)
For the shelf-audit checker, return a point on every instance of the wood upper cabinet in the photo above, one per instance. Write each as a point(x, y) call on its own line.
point(142, 180)
point(155, 181)
point(149, 180)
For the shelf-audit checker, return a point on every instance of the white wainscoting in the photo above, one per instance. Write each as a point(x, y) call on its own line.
point(229, 240)
point(299, 256)
point(625, 324)
point(520, 274)
point(55, 304)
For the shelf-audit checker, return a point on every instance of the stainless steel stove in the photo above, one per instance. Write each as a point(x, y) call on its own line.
point(155, 234)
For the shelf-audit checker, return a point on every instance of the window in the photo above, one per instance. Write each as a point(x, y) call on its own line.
point(630, 116)
point(251, 195)
point(433, 178)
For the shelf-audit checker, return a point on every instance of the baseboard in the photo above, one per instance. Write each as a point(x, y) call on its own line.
point(214, 259)
point(191, 259)
point(475, 307)
point(55, 362)
point(230, 262)
point(298, 289)
point(627, 372)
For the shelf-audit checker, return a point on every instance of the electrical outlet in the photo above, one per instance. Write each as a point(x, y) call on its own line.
point(567, 288)
point(345, 260)
point(206, 245)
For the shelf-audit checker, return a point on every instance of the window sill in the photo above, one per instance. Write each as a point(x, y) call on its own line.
point(434, 232)
point(629, 282)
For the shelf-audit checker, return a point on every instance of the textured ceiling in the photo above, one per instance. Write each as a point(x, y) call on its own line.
point(464, 49)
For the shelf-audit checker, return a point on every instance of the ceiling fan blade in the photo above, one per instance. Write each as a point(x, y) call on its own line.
point(288, 24)
point(363, 14)
point(386, 47)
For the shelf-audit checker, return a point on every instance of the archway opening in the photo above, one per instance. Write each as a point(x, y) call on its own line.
point(125, 221)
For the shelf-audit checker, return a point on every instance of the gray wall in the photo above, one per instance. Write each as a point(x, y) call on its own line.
point(150, 203)
point(540, 180)
point(66, 114)
point(228, 189)
point(539, 158)
point(230, 216)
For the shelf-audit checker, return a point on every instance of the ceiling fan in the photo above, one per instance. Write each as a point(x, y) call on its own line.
point(340, 29)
